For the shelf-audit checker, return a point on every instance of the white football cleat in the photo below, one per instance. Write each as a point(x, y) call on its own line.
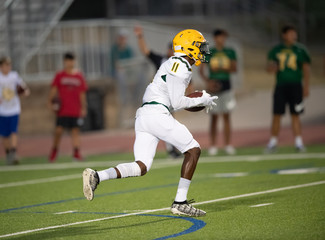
point(90, 182)
point(185, 208)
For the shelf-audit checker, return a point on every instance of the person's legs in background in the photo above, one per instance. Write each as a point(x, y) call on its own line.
point(213, 133)
point(296, 105)
point(13, 147)
point(275, 129)
point(296, 129)
point(229, 149)
point(75, 138)
point(8, 129)
point(279, 104)
point(56, 142)
point(7, 147)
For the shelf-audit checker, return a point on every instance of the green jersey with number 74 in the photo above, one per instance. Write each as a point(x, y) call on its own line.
point(290, 60)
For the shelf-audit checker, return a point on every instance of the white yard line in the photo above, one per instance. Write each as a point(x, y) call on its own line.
point(41, 180)
point(70, 211)
point(301, 171)
point(161, 163)
point(261, 205)
point(227, 175)
point(166, 208)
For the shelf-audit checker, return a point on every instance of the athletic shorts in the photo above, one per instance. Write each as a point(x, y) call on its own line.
point(69, 122)
point(152, 126)
point(289, 94)
point(8, 125)
point(226, 102)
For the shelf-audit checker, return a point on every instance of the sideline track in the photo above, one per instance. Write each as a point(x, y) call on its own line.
point(167, 208)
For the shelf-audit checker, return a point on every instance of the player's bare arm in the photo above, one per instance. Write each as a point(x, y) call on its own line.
point(52, 94)
point(306, 77)
point(202, 73)
point(83, 100)
point(23, 90)
point(233, 66)
point(272, 67)
point(138, 31)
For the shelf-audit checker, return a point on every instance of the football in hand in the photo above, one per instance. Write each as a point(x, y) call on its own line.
point(195, 95)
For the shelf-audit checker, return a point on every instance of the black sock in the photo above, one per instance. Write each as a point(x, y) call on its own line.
point(7, 151)
point(13, 150)
point(181, 202)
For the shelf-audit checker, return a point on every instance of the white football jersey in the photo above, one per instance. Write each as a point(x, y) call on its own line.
point(169, 85)
point(9, 100)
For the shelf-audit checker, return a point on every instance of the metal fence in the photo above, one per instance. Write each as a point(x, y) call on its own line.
point(92, 42)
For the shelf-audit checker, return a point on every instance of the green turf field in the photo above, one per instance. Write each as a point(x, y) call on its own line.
point(248, 196)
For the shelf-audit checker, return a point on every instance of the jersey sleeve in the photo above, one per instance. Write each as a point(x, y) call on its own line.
point(19, 80)
point(232, 55)
point(55, 82)
point(84, 86)
point(155, 59)
point(306, 56)
point(179, 72)
point(176, 91)
point(179, 67)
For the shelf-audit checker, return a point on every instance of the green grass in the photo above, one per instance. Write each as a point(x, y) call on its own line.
point(295, 213)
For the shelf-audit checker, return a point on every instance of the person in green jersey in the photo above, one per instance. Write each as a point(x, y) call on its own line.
point(222, 62)
point(290, 62)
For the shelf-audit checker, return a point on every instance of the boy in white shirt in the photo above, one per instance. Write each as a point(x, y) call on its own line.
point(11, 86)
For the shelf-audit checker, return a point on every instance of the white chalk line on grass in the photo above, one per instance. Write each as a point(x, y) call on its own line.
point(70, 211)
point(160, 163)
point(166, 208)
point(41, 180)
point(261, 205)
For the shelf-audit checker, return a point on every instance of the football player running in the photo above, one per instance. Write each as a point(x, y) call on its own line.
point(154, 122)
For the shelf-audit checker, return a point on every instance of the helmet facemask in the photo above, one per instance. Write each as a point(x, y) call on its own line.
point(201, 55)
point(204, 52)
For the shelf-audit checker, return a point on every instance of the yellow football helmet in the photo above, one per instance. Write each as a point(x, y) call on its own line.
point(191, 43)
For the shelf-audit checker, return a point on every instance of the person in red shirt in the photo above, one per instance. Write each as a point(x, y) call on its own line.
point(67, 99)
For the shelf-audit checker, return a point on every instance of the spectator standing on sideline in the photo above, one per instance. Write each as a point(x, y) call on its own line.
point(121, 54)
point(120, 50)
point(68, 99)
point(11, 86)
point(290, 62)
point(222, 63)
point(157, 60)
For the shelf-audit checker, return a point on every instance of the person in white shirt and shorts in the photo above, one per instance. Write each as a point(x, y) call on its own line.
point(11, 86)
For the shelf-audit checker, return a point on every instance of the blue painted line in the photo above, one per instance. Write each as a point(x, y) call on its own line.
point(197, 224)
point(82, 198)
